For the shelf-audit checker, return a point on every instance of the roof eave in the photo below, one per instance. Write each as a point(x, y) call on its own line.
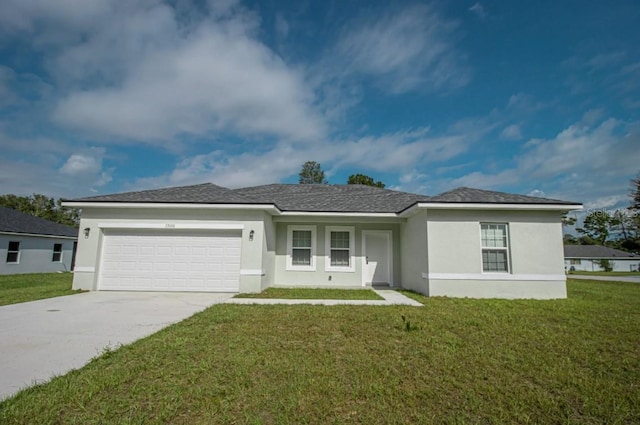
point(338, 214)
point(38, 235)
point(271, 208)
point(487, 206)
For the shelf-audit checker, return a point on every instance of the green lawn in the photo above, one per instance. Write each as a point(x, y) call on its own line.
point(463, 361)
point(315, 294)
point(606, 273)
point(19, 288)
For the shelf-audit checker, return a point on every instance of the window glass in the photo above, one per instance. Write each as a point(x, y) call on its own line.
point(301, 257)
point(301, 248)
point(13, 252)
point(340, 258)
point(340, 240)
point(495, 248)
point(57, 253)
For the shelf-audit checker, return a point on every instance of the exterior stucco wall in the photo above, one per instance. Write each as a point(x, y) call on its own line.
point(331, 279)
point(455, 255)
point(36, 254)
point(414, 261)
point(467, 288)
point(619, 265)
point(268, 252)
point(252, 273)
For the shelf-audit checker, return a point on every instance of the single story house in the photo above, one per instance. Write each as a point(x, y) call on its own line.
point(462, 243)
point(30, 244)
point(588, 257)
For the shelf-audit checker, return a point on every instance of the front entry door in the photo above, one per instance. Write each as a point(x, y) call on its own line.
point(377, 257)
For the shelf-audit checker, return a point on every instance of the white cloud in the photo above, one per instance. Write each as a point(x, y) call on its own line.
point(389, 153)
point(478, 9)
point(149, 72)
point(413, 48)
point(78, 176)
point(52, 17)
point(88, 167)
point(584, 162)
point(511, 132)
point(536, 192)
point(81, 164)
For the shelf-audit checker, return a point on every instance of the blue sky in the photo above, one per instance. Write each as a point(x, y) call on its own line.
point(536, 98)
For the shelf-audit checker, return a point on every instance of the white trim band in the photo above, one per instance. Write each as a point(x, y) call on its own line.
point(494, 276)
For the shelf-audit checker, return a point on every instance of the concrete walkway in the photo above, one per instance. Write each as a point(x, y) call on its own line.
point(634, 279)
point(391, 297)
point(40, 339)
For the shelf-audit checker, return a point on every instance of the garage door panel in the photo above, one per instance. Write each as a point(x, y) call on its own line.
point(164, 261)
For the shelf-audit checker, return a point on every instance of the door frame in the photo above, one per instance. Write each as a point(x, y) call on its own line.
point(389, 236)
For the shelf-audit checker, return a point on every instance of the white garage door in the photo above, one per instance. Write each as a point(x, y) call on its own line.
point(201, 261)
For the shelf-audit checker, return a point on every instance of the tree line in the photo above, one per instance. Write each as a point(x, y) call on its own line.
point(312, 173)
point(618, 229)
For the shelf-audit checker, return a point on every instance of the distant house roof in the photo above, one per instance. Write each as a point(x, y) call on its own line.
point(595, 251)
point(18, 222)
point(316, 197)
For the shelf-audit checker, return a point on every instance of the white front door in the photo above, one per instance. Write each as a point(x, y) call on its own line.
point(136, 260)
point(377, 262)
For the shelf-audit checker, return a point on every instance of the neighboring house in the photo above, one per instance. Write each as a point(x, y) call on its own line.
point(30, 244)
point(588, 257)
point(462, 243)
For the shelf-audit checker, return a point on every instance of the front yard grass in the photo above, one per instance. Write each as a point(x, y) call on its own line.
point(462, 361)
point(605, 273)
point(19, 288)
point(315, 294)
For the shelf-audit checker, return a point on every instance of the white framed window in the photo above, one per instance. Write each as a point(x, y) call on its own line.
point(575, 261)
point(57, 253)
point(495, 247)
point(13, 252)
point(339, 245)
point(301, 248)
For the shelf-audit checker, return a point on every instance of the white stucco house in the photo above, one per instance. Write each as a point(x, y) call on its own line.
point(462, 243)
point(30, 244)
point(587, 258)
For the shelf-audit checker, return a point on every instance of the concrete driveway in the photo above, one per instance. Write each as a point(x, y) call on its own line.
point(40, 339)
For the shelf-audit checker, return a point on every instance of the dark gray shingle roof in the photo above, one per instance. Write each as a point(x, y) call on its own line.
point(595, 251)
point(206, 193)
point(332, 198)
point(315, 197)
point(479, 196)
point(19, 222)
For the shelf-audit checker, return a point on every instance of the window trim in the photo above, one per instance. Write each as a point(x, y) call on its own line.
point(290, 265)
point(327, 249)
point(507, 249)
point(53, 255)
point(13, 252)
